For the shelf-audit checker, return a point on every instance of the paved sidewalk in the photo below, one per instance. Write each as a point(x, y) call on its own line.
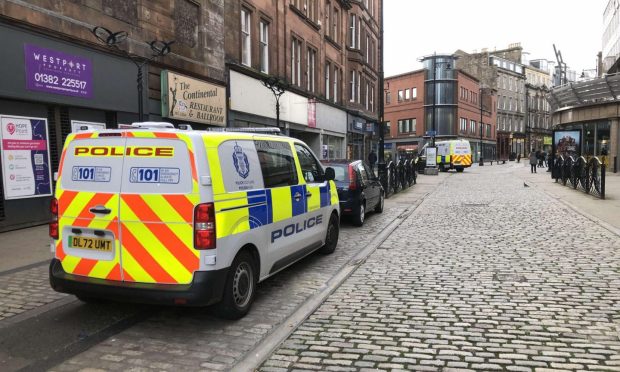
point(23, 247)
point(607, 210)
point(486, 275)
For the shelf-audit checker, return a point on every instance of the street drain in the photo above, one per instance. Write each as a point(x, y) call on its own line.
point(509, 277)
point(475, 205)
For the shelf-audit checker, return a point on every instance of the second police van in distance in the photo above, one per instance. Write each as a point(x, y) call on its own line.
point(161, 215)
point(451, 154)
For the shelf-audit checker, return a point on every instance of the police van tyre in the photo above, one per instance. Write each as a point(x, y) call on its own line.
point(460, 169)
point(240, 288)
point(358, 217)
point(331, 237)
point(379, 207)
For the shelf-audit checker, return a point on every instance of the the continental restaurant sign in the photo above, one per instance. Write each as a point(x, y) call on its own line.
point(188, 99)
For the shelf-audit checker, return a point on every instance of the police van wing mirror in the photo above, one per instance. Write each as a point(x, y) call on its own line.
point(330, 174)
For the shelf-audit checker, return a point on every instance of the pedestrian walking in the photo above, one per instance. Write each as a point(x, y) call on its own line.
point(372, 159)
point(539, 156)
point(519, 158)
point(533, 161)
point(545, 158)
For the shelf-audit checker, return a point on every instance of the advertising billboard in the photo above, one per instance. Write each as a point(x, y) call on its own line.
point(55, 72)
point(25, 157)
point(567, 142)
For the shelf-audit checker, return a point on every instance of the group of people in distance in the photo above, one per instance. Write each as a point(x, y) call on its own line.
point(538, 159)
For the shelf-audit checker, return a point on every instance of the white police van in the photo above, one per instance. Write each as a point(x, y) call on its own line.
point(160, 215)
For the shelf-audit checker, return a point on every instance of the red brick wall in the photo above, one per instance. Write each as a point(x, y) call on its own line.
point(406, 109)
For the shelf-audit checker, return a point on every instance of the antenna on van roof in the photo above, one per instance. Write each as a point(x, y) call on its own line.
point(273, 131)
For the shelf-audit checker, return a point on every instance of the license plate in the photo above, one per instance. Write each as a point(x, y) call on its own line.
point(95, 244)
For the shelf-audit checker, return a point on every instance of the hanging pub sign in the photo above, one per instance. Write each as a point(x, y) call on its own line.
point(55, 72)
point(188, 99)
point(25, 157)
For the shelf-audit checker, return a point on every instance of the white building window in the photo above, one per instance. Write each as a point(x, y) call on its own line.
point(352, 30)
point(414, 93)
point(352, 85)
point(246, 47)
point(335, 92)
point(311, 69)
point(296, 62)
point(264, 47)
point(407, 96)
point(327, 81)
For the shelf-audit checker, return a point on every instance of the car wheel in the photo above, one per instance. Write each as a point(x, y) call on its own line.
point(240, 288)
point(379, 207)
point(359, 216)
point(331, 237)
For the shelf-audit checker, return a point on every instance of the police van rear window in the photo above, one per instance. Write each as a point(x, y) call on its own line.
point(156, 166)
point(93, 165)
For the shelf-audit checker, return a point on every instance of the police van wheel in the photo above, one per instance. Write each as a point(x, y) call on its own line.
point(379, 207)
point(360, 215)
point(331, 238)
point(460, 169)
point(240, 288)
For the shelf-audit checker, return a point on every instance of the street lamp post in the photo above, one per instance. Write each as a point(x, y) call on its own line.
point(481, 92)
point(381, 166)
point(159, 49)
point(278, 88)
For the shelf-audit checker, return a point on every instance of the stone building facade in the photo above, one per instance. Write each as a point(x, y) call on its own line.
point(502, 71)
point(56, 72)
point(323, 54)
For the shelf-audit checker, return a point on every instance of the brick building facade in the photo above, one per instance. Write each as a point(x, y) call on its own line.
point(405, 114)
point(326, 52)
point(325, 57)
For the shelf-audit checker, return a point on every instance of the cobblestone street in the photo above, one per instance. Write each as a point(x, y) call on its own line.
point(192, 339)
point(486, 274)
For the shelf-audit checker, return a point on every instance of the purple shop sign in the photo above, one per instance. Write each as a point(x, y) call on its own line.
point(56, 72)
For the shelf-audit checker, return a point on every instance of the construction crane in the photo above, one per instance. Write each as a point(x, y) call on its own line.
point(561, 65)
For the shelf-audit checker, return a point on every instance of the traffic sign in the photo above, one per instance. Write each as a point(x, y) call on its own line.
point(431, 133)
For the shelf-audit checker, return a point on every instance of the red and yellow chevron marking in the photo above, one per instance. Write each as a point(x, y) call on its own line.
point(464, 160)
point(73, 210)
point(157, 238)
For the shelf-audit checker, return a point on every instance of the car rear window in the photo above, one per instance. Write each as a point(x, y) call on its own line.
point(341, 171)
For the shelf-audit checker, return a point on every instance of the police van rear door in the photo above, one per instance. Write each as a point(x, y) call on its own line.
point(88, 205)
point(158, 193)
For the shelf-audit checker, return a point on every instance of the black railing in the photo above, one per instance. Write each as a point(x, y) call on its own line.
point(401, 175)
point(580, 173)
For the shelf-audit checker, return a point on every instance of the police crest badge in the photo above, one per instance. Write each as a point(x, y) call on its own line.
point(240, 159)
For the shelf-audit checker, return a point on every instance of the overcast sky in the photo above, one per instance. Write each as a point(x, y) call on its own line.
point(414, 28)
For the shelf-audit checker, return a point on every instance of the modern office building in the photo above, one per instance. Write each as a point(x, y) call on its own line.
point(611, 37)
point(453, 106)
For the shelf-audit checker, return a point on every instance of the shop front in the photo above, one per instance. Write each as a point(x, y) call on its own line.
point(355, 139)
point(49, 89)
point(332, 123)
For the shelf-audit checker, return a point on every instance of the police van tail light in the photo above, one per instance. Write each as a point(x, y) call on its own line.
point(204, 226)
point(352, 178)
point(54, 222)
